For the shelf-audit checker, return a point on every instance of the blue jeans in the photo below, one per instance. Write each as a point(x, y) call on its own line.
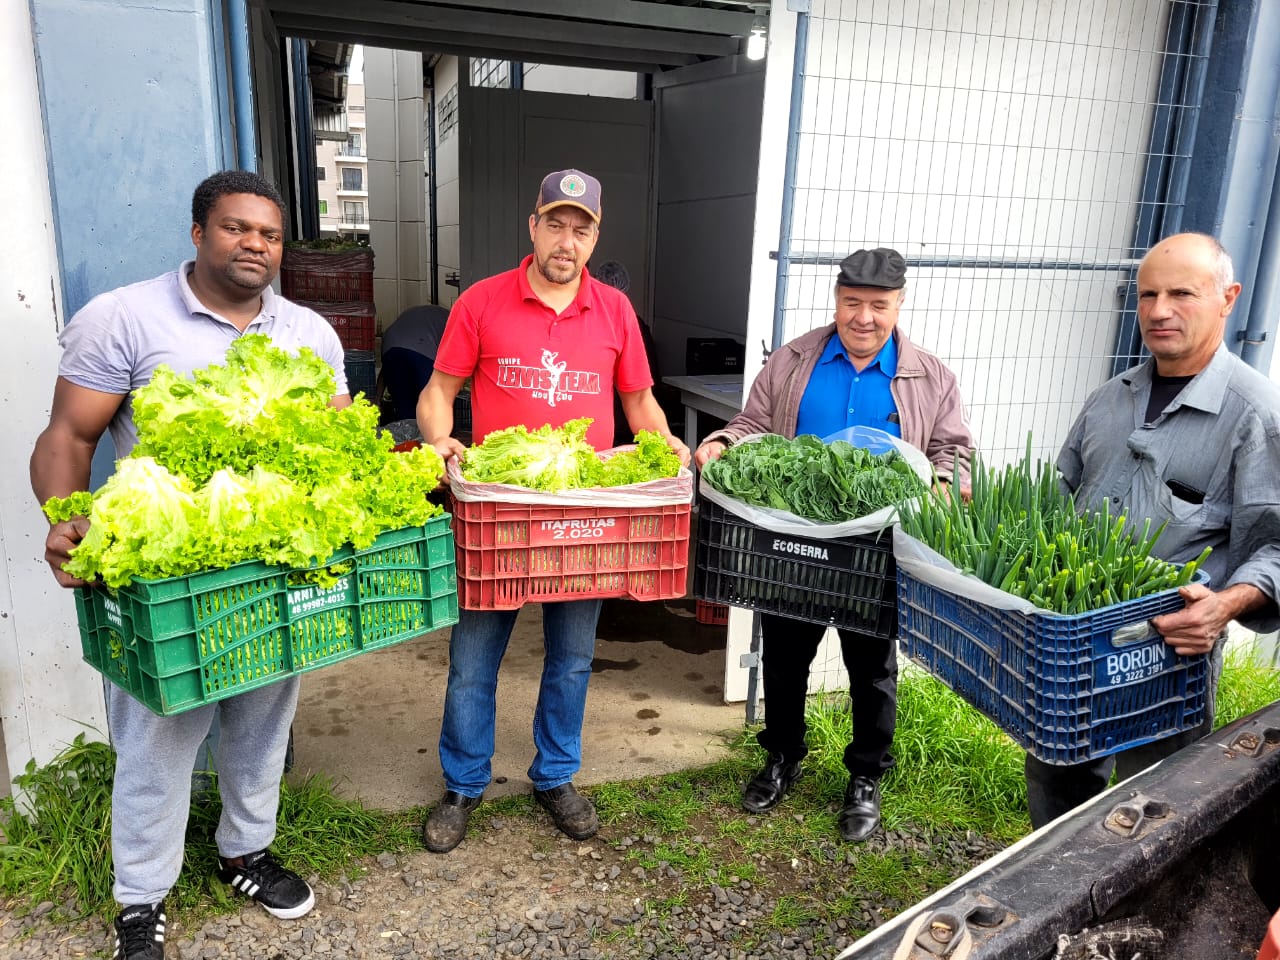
point(476, 647)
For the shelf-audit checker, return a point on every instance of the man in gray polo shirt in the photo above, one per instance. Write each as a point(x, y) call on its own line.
point(185, 319)
point(1191, 439)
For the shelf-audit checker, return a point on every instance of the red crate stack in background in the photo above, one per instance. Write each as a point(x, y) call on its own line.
point(713, 614)
point(330, 276)
point(338, 285)
point(354, 321)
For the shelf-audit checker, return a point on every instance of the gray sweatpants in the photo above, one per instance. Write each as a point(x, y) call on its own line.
point(151, 795)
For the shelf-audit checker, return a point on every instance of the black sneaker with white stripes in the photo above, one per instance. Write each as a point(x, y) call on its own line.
point(140, 932)
point(260, 877)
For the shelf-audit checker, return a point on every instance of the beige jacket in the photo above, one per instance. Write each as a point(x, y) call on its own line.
point(924, 390)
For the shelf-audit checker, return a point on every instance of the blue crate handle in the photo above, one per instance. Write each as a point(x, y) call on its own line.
point(1132, 633)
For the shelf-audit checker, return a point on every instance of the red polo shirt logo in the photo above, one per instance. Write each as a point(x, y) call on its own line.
point(550, 381)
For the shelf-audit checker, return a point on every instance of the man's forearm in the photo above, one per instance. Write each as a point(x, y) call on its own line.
point(644, 413)
point(1240, 599)
point(435, 415)
point(59, 467)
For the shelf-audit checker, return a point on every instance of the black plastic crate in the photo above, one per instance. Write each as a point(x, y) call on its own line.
point(462, 412)
point(713, 355)
point(848, 583)
point(362, 372)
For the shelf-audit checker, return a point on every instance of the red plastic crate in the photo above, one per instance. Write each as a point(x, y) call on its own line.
point(337, 277)
point(353, 321)
point(509, 554)
point(716, 614)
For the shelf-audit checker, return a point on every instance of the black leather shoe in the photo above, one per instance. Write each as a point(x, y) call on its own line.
point(860, 814)
point(573, 813)
point(447, 824)
point(770, 785)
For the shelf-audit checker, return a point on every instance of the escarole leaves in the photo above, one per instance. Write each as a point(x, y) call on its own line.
point(559, 458)
point(828, 483)
point(548, 458)
point(1021, 534)
point(246, 461)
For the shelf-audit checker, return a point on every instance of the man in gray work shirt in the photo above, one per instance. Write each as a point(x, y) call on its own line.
point(185, 319)
point(1191, 439)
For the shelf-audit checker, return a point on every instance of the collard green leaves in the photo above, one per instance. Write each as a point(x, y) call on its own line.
point(827, 483)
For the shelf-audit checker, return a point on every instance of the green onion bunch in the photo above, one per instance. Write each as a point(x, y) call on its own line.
point(1019, 532)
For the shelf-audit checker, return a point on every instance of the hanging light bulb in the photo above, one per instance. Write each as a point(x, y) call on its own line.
point(756, 41)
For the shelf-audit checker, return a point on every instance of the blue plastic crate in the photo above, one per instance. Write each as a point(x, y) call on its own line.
point(1067, 689)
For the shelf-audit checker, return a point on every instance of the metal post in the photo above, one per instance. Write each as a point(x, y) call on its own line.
point(242, 84)
point(1173, 133)
point(753, 672)
point(789, 179)
point(1260, 334)
point(429, 104)
point(305, 142)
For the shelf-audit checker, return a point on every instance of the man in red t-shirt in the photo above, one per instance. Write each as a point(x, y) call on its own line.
point(543, 343)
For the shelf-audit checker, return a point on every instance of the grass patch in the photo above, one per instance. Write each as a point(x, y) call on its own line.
point(1246, 685)
point(60, 850)
point(958, 781)
point(955, 769)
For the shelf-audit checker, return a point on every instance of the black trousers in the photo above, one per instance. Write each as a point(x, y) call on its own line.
point(1053, 789)
point(872, 662)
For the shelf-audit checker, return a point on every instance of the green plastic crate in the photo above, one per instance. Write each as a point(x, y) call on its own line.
point(182, 642)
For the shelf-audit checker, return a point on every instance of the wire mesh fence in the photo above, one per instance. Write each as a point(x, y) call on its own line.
point(1021, 154)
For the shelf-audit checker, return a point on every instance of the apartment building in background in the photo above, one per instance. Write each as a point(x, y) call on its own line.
point(342, 173)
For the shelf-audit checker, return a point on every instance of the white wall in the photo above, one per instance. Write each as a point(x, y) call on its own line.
point(769, 191)
point(448, 187)
point(397, 207)
point(47, 693)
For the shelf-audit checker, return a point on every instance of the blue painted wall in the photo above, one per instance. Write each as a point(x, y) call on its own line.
point(136, 114)
point(134, 119)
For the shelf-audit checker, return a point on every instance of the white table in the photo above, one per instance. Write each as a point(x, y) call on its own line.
point(717, 395)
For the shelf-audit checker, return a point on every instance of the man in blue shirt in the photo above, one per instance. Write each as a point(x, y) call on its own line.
point(859, 371)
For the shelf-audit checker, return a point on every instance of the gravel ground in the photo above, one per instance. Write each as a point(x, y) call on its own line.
point(515, 888)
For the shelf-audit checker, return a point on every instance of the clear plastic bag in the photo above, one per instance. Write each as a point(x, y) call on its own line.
point(928, 566)
point(672, 490)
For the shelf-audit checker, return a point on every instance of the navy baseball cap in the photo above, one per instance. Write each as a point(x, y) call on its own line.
point(569, 188)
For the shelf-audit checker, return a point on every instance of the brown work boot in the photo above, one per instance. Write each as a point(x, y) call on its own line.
point(573, 813)
point(447, 824)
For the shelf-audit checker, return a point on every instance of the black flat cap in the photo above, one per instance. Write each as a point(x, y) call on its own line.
point(881, 267)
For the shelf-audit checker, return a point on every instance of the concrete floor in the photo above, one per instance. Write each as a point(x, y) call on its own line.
point(655, 705)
